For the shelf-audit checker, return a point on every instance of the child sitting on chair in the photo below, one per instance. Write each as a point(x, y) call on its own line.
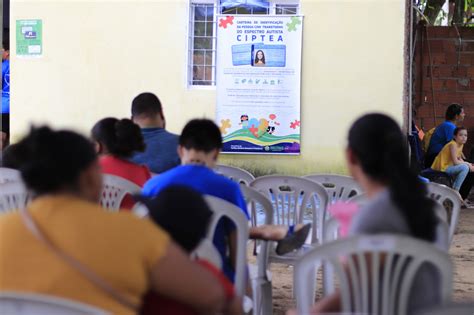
point(451, 158)
point(184, 214)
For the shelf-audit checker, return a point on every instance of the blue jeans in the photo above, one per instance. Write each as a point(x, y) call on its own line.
point(459, 172)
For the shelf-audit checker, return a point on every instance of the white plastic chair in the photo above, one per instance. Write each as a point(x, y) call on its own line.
point(441, 194)
point(13, 196)
point(382, 289)
point(114, 190)
point(16, 303)
point(236, 174)
point(206, 250)
point(290, 197)
point(294, 197)
point(222, 208)
point(339, 187)
point(9, 175)
point(260, 276)
point(450, 309)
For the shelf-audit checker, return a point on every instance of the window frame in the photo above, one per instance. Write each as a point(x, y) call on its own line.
point(216, 11)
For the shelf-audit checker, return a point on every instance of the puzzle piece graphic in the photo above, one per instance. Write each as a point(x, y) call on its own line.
point(225, 124)
point(224, 22)
point(295, 124)
point(294, 22)
point(254, 130)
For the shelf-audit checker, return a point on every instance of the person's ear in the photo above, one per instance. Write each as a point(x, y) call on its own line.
point(98, 147)
point(216, 154)
point(350, 157)
point(180, 150)
point(90, 182)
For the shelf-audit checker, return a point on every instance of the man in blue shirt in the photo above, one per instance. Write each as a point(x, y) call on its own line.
point(442, 135)
point(160, 154)
point(5, 132)
point(444, 132)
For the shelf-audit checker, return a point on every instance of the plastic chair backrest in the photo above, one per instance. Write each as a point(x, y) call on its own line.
point(293, 198)
point(15, 303)
point(13, 196)
point(255, 200)
point(331, 230)
point(222, 208)
point(9, 175)
point(235, 174)
point(379, 286)
point(339, 187)
point(114, 189)
point(450, 309)
point(443, 194)
point(207, 251)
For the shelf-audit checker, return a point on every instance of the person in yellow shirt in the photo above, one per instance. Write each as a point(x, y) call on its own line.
point(129, 254)
point(451, 158)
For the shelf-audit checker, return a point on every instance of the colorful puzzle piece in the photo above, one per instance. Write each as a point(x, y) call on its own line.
point(225, 124)
point(254, 130)
point(295, 124)
point(224, 22)
point(294, 22)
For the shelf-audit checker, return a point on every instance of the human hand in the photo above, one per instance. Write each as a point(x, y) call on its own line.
point(471, 167)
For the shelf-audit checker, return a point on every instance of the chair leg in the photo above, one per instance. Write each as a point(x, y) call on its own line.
point(311, 285)
point(262, 298)
point(267, 299)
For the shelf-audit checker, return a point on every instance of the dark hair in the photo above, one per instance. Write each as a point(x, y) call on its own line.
point(263, 57)
point(14, 156)
point(6, 43)
point(458, 129)
point(52, 160)
point(201, 135)
point(146, 104)
point(120, 137)
point(453, 110)
point(381, 148)
point(183, 213)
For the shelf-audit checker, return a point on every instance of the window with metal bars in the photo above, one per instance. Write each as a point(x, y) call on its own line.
point(202, 33)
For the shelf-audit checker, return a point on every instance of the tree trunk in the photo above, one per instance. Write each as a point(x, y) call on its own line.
point(458, 17)
point(433, 7)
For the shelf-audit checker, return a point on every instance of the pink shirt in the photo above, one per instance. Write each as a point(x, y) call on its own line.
point(137, 174)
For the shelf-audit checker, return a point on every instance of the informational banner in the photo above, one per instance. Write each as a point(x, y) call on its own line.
point(258, 78)
point(29, 38)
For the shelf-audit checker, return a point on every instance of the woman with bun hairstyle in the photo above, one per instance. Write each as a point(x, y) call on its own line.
point(128, 254)
point(116, 141)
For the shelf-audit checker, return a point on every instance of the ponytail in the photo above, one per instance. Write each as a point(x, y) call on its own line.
point(381, 149)
point(120, 138)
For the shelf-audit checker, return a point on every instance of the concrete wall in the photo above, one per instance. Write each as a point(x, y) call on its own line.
point(99, 54)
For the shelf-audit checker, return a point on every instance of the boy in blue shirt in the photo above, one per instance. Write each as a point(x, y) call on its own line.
point(199, 147)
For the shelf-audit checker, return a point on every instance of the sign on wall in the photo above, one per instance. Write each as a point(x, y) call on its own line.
point(29, 38)
point(258, 78)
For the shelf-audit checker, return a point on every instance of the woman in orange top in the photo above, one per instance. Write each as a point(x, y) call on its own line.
point(131, 255)
point(116, 142)
point(451, 159)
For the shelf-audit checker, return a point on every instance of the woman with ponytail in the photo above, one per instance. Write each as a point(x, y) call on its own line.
point(116, 142)
point(377, 158)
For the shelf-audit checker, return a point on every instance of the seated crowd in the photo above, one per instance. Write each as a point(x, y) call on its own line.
point(144, 265)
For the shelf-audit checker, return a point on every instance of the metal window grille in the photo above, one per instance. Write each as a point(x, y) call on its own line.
point(202, 35)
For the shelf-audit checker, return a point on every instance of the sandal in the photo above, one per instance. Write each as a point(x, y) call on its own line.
point(293, 240)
